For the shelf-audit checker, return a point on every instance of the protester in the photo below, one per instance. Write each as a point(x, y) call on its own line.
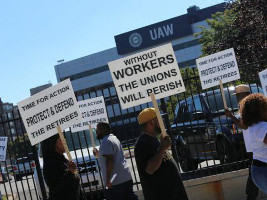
point(254, 116)
point(241, 92)
point(115, 171)
point(159, 175)
point(59, 173)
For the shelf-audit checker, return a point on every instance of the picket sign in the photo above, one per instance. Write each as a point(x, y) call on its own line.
point(223, 95)
point(152, 71)
point(161, 124)
point(218, 68)
point(62, 138)
point(93, 111)
point(44, 111)
point(91, 135)
point(3, 147)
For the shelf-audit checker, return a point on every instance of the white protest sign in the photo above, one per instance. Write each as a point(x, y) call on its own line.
point(263, 79)
point(216, 67)
point(3, 146)
point(44, 111)
point(151, 71)
point(93, 111)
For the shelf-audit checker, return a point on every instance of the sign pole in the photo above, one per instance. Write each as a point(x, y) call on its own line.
point(161, 124)
point(91, 136)
point(223, 95)
point(64, 143)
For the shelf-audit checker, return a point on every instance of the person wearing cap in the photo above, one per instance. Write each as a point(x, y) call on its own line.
point(115, 171)
point(159, 175)
point(241, 92)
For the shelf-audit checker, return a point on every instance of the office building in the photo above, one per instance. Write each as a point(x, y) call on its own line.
point(91, 72)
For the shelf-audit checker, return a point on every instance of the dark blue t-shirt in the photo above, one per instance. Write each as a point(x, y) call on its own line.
point(165, 183)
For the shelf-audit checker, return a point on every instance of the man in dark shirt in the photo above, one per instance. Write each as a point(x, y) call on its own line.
point(158, 171)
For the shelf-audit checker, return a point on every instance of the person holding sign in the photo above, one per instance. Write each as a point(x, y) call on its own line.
point(158, 171)
point(254, 115)
point(60, 174)
point(241, 92)
point(115, 172)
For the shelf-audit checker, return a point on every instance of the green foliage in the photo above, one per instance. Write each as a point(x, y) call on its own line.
point(220, 25)
point(242, 26)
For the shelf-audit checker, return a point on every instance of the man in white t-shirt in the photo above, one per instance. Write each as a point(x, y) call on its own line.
point(115, 171)
point(241, 92)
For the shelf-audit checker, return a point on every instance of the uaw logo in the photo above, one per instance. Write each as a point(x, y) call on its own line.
point(135, 40)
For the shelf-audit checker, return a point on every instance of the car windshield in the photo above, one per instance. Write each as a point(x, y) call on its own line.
point(215, 101)
point(188, 109)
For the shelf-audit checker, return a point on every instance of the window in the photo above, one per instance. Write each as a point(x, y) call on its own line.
point(110, 111)
point(9, 115)
point(181, 112)
point(106, 93)
point(112, 91)
point(80, 140)
point(196, 106)
point(216, 103)
point(116, 109)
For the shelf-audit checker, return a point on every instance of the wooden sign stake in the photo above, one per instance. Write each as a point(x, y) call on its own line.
point(91, 135)
point(223, 95)
point(64, 142)
point(161, 124)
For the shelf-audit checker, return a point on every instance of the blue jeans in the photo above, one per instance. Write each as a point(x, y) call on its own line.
point(259, 176)
point(123, 191)
point(252, 190)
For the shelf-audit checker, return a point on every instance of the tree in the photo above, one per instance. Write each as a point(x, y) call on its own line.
point(242, 26)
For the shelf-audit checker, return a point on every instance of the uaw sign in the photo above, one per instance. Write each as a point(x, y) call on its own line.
point(216, 67)
point(93, 111)
point(263, 79)
point(44, 111)
point(152, 35)
point(152, 71)
point(3, 147)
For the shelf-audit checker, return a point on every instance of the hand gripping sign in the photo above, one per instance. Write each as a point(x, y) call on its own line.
point(217, 69)
point(43, 112)
point(154, 71)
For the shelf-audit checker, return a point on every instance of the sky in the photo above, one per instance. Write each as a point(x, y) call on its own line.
point(35, 34)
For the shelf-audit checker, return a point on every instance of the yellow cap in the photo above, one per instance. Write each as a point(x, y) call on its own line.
point(146, 115)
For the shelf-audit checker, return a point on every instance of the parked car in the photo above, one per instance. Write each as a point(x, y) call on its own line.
point(3, 175)
point(203, 132)
point(23, 167)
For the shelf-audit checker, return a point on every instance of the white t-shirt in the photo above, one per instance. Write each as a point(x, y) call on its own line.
point(247, 140)
point(257, 134)
point(110, 145)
